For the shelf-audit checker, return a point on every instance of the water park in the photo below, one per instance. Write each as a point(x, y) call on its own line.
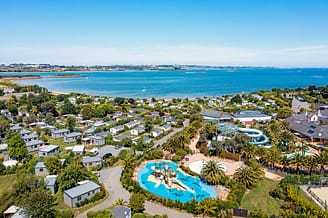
point(166, 179)
point(257, 137)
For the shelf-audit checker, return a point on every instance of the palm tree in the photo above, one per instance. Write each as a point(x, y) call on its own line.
point(311, 163)
point(250, 150)
point(217, 147)
point(120, 201)
point(285, 162)
point(322, 159)
point(181, 140)
point(212, 172)
point(207, 207)
point(169, 146)
point(298, 162)
point(246, 176)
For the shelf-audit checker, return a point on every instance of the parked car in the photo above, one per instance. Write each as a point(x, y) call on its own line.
point(94, 151)
point(107, 155)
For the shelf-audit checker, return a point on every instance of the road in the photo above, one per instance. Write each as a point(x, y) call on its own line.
point(165, 138)
point(110, 177)
point(110, 149)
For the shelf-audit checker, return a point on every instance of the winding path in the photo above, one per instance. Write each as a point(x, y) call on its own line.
point(110, 177)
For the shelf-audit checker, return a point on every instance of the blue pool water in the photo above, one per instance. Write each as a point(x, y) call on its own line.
point(196, 188)
point(306, 152)
point(144, 84)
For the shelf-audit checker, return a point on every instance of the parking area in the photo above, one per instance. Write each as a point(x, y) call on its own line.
point(110, 149)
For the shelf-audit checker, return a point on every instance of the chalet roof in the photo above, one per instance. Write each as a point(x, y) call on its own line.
point(81, 189)
point(307, 128)
point(48, 148)
point(34, 142)
point(215, 114)
point(120, 211)
point(250, 113)
point(50, 180)
point(89, 159)
point(40, 165)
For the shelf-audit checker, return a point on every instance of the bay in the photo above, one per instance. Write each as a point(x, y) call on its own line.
point(196, 83)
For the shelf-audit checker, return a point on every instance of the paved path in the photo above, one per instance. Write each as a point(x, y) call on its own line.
point(153, 209)
point(110, 177)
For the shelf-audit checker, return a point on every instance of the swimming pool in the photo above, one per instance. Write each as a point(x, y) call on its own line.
point(305, 153)
point(190, 187)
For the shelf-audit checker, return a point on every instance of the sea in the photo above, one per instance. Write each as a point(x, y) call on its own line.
point(180, 84)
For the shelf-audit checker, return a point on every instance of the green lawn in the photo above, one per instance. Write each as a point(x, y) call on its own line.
point(6, 183)
point(259, 199)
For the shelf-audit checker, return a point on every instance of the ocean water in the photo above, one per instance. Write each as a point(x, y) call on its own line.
point(145, 84)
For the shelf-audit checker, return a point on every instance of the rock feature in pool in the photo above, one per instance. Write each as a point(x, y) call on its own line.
point(165, 179)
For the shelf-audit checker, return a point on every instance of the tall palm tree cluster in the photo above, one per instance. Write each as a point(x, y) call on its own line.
point(297, 163)
point(179, 140)
point(280, 135)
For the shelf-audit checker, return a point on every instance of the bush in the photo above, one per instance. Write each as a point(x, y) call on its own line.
point(228, 155)
point(64, 214)
point(97, 214)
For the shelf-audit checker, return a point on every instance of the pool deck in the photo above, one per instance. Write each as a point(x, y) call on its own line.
point(231, 165)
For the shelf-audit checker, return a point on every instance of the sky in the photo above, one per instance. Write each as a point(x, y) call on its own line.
point(280, 33)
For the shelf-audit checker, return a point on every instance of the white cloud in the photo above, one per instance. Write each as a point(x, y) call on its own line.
point(312, 56)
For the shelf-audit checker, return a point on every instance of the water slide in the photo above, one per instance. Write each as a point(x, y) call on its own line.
point(257, 137)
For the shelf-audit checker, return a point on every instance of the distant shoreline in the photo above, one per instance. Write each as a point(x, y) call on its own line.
point(18, 77)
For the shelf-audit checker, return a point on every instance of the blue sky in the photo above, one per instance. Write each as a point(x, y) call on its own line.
point(216, 32)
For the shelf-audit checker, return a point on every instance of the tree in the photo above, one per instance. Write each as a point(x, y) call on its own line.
point(4, 124)
point(298, 162)
point(311, 163)
point(68, 108)
point(30, 193)
point(71, 123)
point(119, 100)
point(72, 174)
point(38, 203)
point(246, 176)
point(137, 201)
point(86, 112)
point(236, 99)
point(207, 207)
point(148, 124)
point(53, 164)
point(212, 172)
point(50, 119)
point(48, 107)
point(120, 201)
point(13, 109)
point(322, 160)
point(17, 147)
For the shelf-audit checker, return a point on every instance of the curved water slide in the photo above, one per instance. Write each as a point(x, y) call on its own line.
point(257, 137)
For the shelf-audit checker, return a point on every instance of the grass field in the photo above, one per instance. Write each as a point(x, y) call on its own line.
point(6, 183)
point(259, 199)
point(6, 186)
